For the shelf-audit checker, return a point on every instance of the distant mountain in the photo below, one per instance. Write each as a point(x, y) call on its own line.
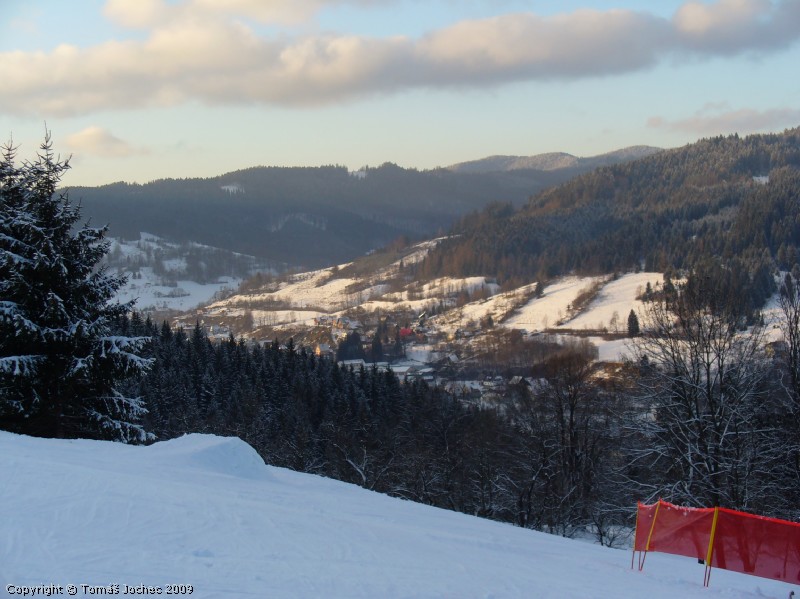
point(552, 161)
point(313, 217)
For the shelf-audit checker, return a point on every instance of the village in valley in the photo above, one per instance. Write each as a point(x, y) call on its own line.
point(477, 341)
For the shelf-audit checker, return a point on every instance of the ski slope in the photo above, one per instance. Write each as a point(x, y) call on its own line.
point(205, 511)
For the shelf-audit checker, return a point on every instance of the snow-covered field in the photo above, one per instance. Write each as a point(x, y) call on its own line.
point(297, 301)
point(150, 295)
point(148, 289)
point(546, 312)
point(609, 310)
point(615, 299)
point(205, 511)
point(614, 302)
point(317, 289)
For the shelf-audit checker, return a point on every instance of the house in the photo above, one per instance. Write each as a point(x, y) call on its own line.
point(323, 349)
point(518, 381)
point(354, 364)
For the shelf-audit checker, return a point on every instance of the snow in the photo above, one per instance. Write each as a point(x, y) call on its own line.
point(205, 511)
point(498, 306)
point(325, 291)
point(318, 290)
point(773, 315)
point(149, 295)
point(420, 353)
point(421, 250)
point(615, 298)
point(449, 285)
point(285, 317)
point(546, 311)
point(148, 289)
point(614, 350)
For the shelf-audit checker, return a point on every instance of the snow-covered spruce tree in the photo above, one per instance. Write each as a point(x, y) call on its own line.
point(59, 360)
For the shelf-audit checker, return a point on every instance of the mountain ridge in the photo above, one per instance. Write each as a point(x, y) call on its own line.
point(309, 217)
point(552, 161)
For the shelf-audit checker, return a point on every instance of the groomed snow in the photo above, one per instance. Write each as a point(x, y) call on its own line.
point(205, 511)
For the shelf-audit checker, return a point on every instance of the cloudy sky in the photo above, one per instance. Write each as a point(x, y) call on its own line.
point(137, 90)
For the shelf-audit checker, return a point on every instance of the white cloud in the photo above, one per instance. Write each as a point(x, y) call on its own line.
point(717, 119)
point(146, 13)
point(697, 18)
point(141, 13)
point(273, 11)
point(735, 26)
point(584, 43)
point(203, 50)
point(96, 141)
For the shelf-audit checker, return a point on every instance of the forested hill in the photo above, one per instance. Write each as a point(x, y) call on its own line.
point(726, 207)
point(303, 216)
point(309, 216)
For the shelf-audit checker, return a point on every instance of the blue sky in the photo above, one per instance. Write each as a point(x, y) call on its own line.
point(138, 90)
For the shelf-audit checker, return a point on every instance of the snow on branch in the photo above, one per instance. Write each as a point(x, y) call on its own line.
point(19, 365)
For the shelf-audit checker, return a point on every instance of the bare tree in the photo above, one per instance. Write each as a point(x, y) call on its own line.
point(789, 302)
point(566, 423)
point(704, 438)
point(788, 367)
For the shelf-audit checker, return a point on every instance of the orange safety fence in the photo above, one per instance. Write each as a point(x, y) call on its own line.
point(721, 538)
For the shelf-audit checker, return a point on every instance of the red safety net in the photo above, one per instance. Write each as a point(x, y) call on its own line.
point(723, 538)
point(757, 545)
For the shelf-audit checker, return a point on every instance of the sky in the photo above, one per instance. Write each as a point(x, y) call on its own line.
point(139, 90)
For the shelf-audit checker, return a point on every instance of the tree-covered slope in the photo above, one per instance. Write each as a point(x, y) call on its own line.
point(301, 216)
point(726, 203)
point(307, 216)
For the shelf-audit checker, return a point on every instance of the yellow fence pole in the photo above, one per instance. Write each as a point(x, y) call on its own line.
point(710, 552)
point(652, 527)
point(649, 536)
point(635, 533)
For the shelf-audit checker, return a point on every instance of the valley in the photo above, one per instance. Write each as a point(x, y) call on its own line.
point(455, 333)
point(507, 287)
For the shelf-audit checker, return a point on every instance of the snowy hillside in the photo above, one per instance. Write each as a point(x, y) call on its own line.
point(205, 511)
point(378, 286)
point(304, 296)
point(162, 275)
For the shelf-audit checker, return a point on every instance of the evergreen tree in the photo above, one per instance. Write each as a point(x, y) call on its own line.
point(60, 359)
point(350, 348)
point(377, 348)
point(633, 324)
